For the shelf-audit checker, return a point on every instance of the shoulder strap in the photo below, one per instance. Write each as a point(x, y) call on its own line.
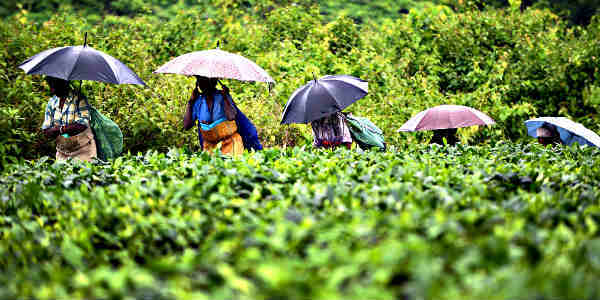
point(226, 96)
point(229, 108)
point(90, 109)
point(81, 96)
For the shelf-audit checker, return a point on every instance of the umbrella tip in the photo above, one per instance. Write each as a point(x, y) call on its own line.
point(314, 77)
point(85, 39)
point(218, 44)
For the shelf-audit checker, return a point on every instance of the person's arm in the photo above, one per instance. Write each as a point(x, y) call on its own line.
point(188, 119)
point(49, 131)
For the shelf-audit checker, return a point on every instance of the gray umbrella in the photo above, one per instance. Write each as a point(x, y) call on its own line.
point(80, 63)
point(323, 97)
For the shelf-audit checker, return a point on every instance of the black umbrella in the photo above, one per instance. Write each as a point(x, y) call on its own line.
point(80, 63)
point(323, 97)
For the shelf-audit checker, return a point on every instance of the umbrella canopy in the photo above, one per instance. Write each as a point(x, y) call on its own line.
point(323, 97)
point(446, 116)
point(569, 131)
point(80, 63)
point(216, 64)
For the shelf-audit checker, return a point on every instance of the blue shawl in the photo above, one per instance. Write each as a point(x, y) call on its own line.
point(246, 129)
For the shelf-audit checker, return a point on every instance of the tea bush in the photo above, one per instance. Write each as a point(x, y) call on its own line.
point(510, 64)
point(344, 36)
point(506, 221)
point(283, 24)
point(502, 220)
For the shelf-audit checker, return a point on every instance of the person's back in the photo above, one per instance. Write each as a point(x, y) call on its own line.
point(448, 134)
point(220, 123)
point(548, 135)
point(331, 131)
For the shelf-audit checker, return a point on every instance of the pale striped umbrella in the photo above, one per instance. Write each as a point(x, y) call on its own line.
point(446, 116)
point(216, 63)
point(569, 131)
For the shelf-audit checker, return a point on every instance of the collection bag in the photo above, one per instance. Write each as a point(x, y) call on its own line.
point(365, 133)
point(108, 135)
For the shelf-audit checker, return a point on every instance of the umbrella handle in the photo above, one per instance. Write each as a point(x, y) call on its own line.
point(85, 40)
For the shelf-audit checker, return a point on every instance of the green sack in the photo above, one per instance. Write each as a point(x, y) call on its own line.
point(365, 133)
point(108, 135)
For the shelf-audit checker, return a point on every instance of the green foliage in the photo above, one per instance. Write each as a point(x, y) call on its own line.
point(43, 10)
point(579, 12)
point(344, 36)
point(498, 221)
point(365, 11)
point(510, 64)
point(422, 222)
point(15, 140)
point(293, 23)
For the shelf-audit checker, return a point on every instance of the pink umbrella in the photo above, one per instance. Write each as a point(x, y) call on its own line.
point(446, 116)
point(216, 64)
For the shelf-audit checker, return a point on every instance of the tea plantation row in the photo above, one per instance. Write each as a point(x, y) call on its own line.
point(423, 222)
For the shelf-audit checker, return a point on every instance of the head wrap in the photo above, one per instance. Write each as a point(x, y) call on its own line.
point(544, 132)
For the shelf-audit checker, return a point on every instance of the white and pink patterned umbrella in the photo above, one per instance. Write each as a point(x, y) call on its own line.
point(216, 64)
point(446, 116)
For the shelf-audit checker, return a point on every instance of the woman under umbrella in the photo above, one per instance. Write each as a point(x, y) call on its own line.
point(561, 130)
point(444, 121)
point(220, 122)
point(67, 116)
point(320, 102)
point(216, 116)
point(67, 119)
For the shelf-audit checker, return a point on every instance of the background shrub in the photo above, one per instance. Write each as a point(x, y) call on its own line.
point(509, 63)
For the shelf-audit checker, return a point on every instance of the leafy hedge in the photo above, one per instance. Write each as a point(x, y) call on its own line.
point(507, 221)
point(510, 64)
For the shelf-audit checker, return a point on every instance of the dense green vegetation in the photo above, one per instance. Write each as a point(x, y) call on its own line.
point(425, 222)
point(510, 64)
point(507, 219)
point(577, 12)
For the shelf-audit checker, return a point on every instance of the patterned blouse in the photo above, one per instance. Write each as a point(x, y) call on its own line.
point(72, 112)
point(331, 131)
